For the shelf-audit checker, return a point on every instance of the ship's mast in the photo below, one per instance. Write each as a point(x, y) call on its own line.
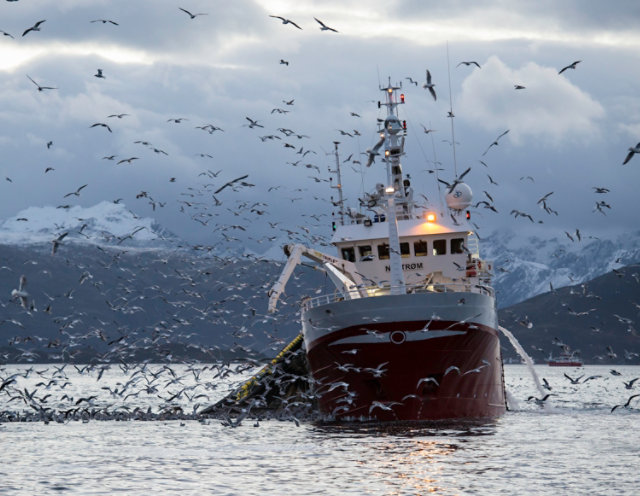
point(338, 186)
point(396, 189)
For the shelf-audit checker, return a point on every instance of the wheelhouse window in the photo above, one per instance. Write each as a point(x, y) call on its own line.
point(366, 255)
point(405, 251)
point(440, 247)
point(349, 254)
point(383, 251)
point(457, 245)
point(420, 248)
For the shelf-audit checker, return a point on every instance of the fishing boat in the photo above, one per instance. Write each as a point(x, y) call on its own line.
point(410, 332)
point(565, 359)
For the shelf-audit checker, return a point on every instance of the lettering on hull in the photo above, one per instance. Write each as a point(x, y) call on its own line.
point(409, 266)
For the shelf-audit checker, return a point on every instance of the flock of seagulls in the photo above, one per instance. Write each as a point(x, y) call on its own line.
point(323, 26)
point(145, 379)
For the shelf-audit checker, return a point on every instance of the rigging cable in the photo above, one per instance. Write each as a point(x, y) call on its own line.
point(451, 115)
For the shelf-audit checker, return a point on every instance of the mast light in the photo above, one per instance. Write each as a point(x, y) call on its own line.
point(402, 97)
point(389, 190)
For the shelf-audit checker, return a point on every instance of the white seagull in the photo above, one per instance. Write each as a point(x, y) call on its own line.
point(430, 86)
point(285, 21)
point(21, 293)
point(323, 26)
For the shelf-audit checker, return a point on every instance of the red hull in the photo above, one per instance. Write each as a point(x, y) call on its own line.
point(565, 364)
point(452, 375)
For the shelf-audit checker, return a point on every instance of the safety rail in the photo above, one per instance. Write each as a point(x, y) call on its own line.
point(374, 291)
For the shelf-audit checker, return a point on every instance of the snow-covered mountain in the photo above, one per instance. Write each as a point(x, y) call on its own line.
point(526, 266)
point(105, 223)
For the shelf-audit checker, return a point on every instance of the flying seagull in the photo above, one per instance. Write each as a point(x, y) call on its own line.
point(127, 160)
point(5, 33)
point(285, 21)
point(40, 88)
point(495, 142)
point(456, 181)
point(56, 242)
point(323, 26)
point(471, 62)
point(104, 21)
point(570, 66)
point(430, 86)
point(626, 405)
point(253, 123)
point(230, 183)
point(76, 192)
point(632, 152)
point(99, 74)
point(101, 124)
point(21, 293)
point(192, 16)
point(35, 27)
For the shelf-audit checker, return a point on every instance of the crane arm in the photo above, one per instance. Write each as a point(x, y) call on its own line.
point(341, 272)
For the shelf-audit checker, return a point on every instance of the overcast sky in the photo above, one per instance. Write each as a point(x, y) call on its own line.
point(568, 133)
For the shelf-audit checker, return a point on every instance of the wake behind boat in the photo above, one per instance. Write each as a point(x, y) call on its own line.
point(411, 330)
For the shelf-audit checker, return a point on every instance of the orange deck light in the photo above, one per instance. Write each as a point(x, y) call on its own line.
point(431, 217)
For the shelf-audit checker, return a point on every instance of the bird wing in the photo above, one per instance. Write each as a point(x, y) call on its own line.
point(464, 173)
point(626, 159)
point(433, 93)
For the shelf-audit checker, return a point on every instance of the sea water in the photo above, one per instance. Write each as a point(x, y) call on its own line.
point(573, 444)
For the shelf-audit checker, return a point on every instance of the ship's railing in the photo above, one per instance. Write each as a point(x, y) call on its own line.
point(374, 291)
